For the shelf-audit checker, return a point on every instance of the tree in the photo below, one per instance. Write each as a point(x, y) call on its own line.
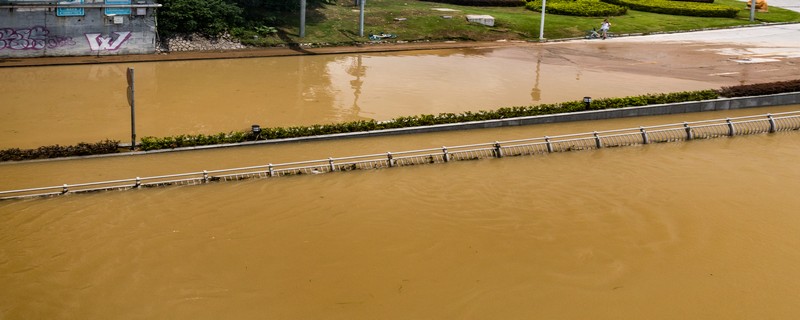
point(209, 17)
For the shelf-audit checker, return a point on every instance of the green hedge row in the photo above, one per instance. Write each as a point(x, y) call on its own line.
point(483, 3)
point(704, 1)
point(760, 89)
point(584, 8)
point(57, 151)
point(154, 143)
point(678, 8)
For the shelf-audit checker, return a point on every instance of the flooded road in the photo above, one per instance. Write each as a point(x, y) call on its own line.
point(694, 230)
point(709, 225)
point(87, 103)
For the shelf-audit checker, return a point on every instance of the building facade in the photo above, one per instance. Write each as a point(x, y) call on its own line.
point(36, 28)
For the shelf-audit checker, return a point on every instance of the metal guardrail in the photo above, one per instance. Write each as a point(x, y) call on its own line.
point(685, 131)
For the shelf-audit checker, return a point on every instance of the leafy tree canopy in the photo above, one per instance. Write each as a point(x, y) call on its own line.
point(211, 17)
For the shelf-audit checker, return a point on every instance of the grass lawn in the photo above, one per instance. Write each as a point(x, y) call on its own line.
point(338, 24)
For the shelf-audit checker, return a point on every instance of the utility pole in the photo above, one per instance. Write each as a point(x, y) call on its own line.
point(132, 103)
point(752, 10)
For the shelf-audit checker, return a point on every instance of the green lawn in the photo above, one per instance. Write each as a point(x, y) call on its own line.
point(339, 24)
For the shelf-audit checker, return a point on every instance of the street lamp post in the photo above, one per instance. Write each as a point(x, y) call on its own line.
point(541, 27)
point(302, 18)
point(361, 17)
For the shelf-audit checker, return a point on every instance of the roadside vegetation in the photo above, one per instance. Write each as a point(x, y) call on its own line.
point(336, 22)
point(158, 143)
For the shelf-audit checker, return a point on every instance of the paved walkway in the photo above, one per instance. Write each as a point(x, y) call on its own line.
point(793, 5)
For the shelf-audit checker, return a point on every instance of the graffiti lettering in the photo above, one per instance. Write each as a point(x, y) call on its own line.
point(35, 38)
point(97, 42)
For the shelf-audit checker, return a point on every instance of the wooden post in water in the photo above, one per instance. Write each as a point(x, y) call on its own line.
point(132, 103)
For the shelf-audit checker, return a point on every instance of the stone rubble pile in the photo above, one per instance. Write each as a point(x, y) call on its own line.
point(197, 42)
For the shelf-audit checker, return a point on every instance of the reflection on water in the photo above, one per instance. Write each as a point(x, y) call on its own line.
point(680, 230)
point(57, 105)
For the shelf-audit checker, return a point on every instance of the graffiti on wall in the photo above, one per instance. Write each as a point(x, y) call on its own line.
point(98, 42)
point(35, 38)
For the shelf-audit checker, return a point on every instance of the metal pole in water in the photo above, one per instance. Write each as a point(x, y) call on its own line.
point(771, 123)
point(689, 134)
point(132, 102)
point(597, 141)
point(645, 140)
point(731, 130)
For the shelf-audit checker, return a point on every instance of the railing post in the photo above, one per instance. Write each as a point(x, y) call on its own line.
point(772, 127)
point(271, 169)
point(645, 139)
point(205, 176)
point(330, 162)
point(391, 160)
point(731, 130)
point(445, 155)
point(689, 133)
point(549, 145)
point(138, 183)
point(498, 152)
point(597, 140)
point(65, 189)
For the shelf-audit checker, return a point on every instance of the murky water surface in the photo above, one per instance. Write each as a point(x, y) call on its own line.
point(680, 230)
point(704, 229)
point(71, 104)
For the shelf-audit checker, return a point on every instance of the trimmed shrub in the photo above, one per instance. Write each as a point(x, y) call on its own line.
point(483, 3)
point(57, 151)
point(760, 89)
point(583, 8)
point(678, 8)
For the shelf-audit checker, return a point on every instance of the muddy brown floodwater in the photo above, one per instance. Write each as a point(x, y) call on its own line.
point(87, 103)
point(702, 229)
point(694, 230)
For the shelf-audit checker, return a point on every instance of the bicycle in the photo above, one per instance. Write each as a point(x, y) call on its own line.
point(595, 34)
point(381, 36)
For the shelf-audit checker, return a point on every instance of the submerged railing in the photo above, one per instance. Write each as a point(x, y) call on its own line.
point(582, 141)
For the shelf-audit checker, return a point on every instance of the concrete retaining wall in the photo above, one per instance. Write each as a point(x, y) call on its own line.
point(28, 30)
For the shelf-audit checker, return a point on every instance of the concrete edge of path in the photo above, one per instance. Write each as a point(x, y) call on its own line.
point(772, 100)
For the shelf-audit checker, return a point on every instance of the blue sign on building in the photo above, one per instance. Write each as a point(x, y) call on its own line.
point(69, 12)
point(118, 11)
